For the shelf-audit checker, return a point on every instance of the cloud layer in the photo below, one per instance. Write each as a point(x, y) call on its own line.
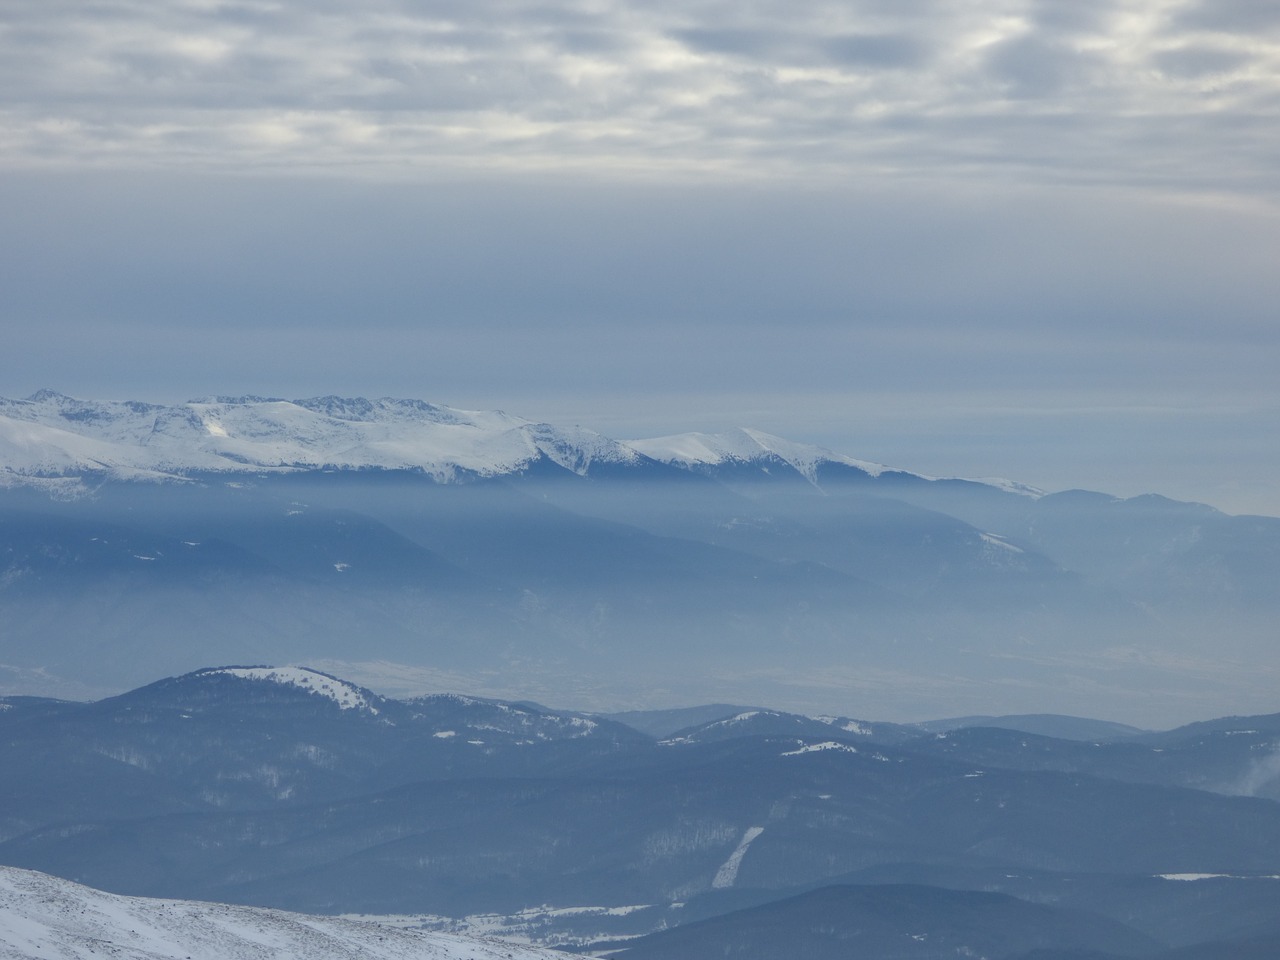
point(1172, 93)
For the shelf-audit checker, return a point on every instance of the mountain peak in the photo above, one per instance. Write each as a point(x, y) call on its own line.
point(44, 393)
point(346, 695)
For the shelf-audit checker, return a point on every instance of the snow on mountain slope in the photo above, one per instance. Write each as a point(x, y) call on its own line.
point(346, 695)
point(39, 449)
point(46, 917)
point(745, 446)
point(49, 433)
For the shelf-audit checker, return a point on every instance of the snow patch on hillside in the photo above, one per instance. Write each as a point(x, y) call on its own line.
point(727, 875)
point(1215, 876)
point(1011, 486)
point(543, 924)
point(745, 446)
point(577, 449)
point(821, 747)
point(994, 540)
point(845, 724)
point(345, 695)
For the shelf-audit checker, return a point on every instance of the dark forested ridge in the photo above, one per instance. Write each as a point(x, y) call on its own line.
point(291, 788)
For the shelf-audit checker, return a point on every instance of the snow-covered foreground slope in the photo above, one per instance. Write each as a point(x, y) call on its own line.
point(43, 916)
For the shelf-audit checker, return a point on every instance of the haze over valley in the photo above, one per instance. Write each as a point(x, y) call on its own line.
point(417, 547)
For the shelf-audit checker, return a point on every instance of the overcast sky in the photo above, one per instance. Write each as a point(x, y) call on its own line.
point(1031, 239)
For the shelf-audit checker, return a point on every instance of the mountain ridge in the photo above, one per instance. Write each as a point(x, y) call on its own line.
point(51, 434)
point(247, 785)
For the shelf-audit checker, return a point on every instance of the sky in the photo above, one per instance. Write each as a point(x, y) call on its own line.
point(1014, 238)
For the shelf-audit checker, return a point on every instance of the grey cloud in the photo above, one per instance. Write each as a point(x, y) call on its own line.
point(1076, 17)
point(917, 9)
point(1199, 61)
point(781, 46)
point(1032, 67)
point(492, 255)
point(607, 41)
point(753, 43)
point(876, 50)
point(1231, 16)
point(811, 89)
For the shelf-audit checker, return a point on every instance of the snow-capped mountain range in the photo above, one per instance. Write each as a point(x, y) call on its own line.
point(52, 435)
point(49, 434)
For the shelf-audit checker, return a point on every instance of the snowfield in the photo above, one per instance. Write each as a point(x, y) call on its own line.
point(45, 917)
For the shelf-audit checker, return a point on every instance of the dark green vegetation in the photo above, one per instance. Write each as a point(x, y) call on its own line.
point(746, 833)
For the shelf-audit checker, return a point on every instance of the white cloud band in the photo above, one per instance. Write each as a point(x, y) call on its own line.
point(1165, 92)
